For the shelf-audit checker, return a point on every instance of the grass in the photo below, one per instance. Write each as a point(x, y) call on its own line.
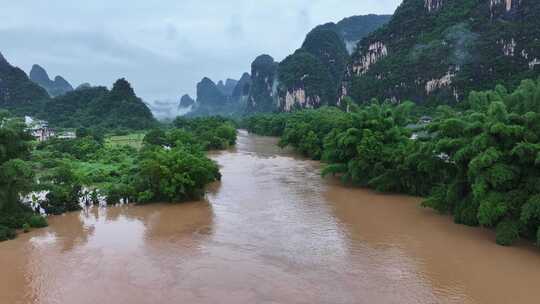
point(133, 140)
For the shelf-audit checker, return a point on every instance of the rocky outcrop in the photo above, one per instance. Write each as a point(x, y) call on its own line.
point(375, 52)
point(312, 75)
point(305, 82)
point(56, 87)
point(534, 63)
point(433, 5)
point(444, 81)
point(39, 75)
point(211, 101)
point(263, 90)
point(505, 9)
point(240, 93)
point(508, 4)
point(509, 47)
point(208, 93)
point(482, 44)
point(186, 101)
point(226, 88)
point(296, 98)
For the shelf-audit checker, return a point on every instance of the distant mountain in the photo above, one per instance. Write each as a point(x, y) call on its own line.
point(309, 78)
point(227, 88)
point(56, 87)
point(166, 109)
point(97, 107)
point(186, 101)
point(70, 110)
point(210, 99)
point(240, 93)
point(209, 95)
point(224, 98)
point(85, 85)
point(435, 51)
point(17, 92)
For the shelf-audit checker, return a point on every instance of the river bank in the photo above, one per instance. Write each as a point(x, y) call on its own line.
point(272, 231)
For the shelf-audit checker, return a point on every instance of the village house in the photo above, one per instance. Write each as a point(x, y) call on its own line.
point(39, 129)
point(67, 135)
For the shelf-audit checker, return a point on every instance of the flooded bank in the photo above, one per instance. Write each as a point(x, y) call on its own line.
point(273, 231)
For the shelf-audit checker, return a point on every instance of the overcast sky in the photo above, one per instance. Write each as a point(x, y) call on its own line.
point(162, 47)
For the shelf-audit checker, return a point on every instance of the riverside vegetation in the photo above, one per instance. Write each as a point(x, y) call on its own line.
point(170, 166)
point(477, 161)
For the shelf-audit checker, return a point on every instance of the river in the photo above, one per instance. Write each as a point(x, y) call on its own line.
point(273, 231)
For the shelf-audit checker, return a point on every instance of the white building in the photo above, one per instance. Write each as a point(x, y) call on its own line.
point(67, 135)
point(38, 128)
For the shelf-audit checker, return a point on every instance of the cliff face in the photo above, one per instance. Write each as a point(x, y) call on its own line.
point(56, 87)
point(309, 78)
point(439, 50)
point(312, 76)
point(217, 99)
point(305, 82)
point(263, 89)
point(352, 29)
point(17, 92)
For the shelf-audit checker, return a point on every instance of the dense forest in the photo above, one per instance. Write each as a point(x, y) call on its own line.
point(61, 175)
point(478, 162)
point(99, 108)
point(434, 51)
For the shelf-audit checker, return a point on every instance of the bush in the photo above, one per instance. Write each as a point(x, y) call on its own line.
point(6, 233)
point(465, 213)
point(507, 232)
point(26, 228)
point(37, 221)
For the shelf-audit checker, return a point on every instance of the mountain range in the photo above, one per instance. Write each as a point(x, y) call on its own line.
point(430, 52)
point(437, 51)
point(87, 106)
point(308, 78)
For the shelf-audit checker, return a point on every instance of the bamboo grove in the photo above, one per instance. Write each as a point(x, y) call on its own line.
point(478, 161)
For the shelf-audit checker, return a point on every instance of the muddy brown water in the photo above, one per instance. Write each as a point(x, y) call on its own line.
point(273, 231)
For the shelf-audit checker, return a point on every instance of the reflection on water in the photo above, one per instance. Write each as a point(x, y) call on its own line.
point(272, 231)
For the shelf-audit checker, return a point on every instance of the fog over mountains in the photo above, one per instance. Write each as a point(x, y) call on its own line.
point(163, 48)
